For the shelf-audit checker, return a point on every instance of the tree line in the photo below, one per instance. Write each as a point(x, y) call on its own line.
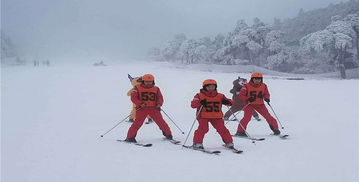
point(317, 41)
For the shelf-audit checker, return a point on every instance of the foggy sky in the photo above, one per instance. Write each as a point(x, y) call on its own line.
point(126, 29)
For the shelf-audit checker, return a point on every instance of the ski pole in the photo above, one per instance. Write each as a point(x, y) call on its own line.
point(199, 111)
point(119, 123)
point(171, 120)
point(130, 77)
point(276, 116)
point(237, 112)
point(245, 131)
point(116, 125)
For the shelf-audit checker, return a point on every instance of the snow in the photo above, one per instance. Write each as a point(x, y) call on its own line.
point(52, 118)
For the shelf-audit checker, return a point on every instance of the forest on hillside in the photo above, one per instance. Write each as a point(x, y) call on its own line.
point(317, 41)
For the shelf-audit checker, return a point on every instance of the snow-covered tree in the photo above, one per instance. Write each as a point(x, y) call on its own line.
point(315, 20)
point(200, 54)
point(9, 54)
point(340, 26)
point(274, 61)
point(240, 40)
point(241, 25)
point(353, 19)
point(254, 49)
point(342, 43)
point(218, 41)
point(317, 41)
point(7, 46)
point(219, 55)
point(187, 51)
point(257, 23)
point(335, 40)
point(274, 41)
point(171, 51)
point(245, 43)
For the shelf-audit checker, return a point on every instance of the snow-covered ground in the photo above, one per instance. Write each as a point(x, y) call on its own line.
point(52, 118)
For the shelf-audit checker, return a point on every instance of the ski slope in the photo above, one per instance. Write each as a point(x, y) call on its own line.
point(52, 119)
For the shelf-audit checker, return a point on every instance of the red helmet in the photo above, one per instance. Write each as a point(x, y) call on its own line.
point(257, 75)
point(148, 78)
point(209, 82)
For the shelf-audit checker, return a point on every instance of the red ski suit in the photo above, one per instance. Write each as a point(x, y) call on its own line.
point(259, 92)
point(151, 97)
point(210, 113)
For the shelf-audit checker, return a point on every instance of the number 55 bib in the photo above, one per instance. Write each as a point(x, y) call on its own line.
point(213, 108)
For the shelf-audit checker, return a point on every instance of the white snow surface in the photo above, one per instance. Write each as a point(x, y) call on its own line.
point(52, 119)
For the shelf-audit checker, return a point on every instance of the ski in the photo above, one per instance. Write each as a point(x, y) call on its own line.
point(176, 142)
point(237, 151)
point(234, 150)
point(282, 136)
point(256, 139)
point(138, 144)
point(215, 152)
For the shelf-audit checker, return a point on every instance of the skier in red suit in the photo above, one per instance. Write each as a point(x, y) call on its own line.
point(211, 103)
point(256, 92)
point(148, 100)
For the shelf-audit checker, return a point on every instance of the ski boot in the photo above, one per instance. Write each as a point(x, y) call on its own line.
point(130, 140)
point(276, 132)
point(257, 118)
point(149, 121)
point(168, 137)
point(229, 145)
point(241, 134)
point(197, 146)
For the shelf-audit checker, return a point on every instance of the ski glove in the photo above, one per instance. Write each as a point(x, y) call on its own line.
point(203, 102)
point(267, 100)
point(225, 102)
point(251, 99)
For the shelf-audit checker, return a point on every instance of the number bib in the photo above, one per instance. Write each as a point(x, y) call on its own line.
point(256, 93)
point(213, 108)
point(148, 95)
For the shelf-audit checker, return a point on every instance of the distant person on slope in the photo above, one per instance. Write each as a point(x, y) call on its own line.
point(135, 81)
point(255, 92)
point(148, 100)
point(238, 104)
point(209, 103)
